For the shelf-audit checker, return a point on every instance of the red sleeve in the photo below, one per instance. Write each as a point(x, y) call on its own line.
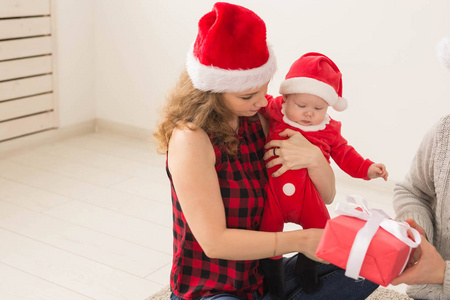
point(348, 159)
point(273, 108)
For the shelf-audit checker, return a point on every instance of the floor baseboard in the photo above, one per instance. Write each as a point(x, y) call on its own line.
point(102, 125)
point(37, 139)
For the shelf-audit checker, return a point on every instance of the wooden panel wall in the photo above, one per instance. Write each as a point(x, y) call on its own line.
point(27, 68)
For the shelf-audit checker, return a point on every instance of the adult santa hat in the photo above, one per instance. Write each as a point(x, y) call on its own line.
point(230, 53)
point(315, 74)
point(443, 51)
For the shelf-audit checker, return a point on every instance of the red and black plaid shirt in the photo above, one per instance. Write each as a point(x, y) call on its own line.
point(242, 180)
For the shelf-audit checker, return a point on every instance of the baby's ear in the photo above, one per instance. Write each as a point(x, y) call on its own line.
point(284, 97)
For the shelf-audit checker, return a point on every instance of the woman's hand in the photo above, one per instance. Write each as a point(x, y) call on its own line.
point(293, 154)
point(310, 244)
point(304, 241)
point(426, 264)
point(298, 153)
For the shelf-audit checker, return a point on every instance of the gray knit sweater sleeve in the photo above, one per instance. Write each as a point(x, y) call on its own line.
point(415, 196)
point(424, 196)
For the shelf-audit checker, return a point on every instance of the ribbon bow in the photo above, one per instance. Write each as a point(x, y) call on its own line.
point(375, 218)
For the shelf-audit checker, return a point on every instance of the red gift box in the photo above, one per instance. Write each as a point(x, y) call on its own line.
point(385, 258)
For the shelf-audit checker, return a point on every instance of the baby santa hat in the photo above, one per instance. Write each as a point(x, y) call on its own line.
point(230, 53)
point(315, 74)
point(443, 51)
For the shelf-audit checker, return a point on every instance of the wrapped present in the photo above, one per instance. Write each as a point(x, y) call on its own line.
point(367, 243)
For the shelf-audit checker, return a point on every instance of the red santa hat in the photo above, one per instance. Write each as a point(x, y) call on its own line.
point(443, 51)
point(230, 53)
point(315, 74)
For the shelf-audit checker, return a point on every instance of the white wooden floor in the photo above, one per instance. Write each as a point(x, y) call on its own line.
point(85, 218)
point(90, 218)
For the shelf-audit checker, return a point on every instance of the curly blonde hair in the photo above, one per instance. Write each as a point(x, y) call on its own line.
point(187, 105)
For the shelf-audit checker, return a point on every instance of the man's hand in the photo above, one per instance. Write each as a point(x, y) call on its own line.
point(425, 266)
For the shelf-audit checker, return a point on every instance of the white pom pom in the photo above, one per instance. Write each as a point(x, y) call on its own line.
point(443, 51)
point(341, 104)
point(288, 189)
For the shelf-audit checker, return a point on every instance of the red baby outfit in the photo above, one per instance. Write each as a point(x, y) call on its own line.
point(292, 196)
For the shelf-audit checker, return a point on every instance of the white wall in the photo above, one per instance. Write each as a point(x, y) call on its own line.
point(385, 49)
point(139, 53)
point(75, 61)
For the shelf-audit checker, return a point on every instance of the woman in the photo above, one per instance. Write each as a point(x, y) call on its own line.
point(214, 140)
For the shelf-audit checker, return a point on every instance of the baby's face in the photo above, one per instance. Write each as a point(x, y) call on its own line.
point(305, 109)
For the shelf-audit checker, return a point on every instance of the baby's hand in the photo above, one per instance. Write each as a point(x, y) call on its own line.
point(377, 170)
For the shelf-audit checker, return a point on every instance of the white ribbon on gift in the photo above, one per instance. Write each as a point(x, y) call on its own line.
point(375, 218)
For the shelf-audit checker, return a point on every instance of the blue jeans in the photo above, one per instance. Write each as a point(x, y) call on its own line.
point(335, 285)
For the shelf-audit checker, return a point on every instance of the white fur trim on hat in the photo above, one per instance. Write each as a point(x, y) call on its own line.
point(213, 79)
point(341, 104)
point(443, 51)
point(306, 85)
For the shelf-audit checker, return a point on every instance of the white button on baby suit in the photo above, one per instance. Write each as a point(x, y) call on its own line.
point(289, 189)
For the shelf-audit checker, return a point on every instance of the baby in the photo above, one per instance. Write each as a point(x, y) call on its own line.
point(312, 84)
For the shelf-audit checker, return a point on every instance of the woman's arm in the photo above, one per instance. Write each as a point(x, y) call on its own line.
point(298, 153)
point(191, 162)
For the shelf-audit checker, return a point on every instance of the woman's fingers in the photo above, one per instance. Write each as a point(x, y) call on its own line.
point(293, 137)
point(274, 144)
point(274, 162)
point(293, 153)
point(289, 133)
point(269, 154)
point(318, 259)
point(280, 171)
